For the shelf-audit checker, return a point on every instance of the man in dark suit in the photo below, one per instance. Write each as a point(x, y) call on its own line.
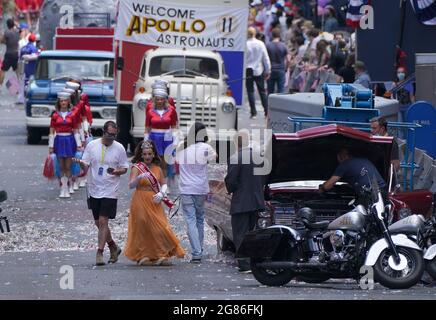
point(246, 188)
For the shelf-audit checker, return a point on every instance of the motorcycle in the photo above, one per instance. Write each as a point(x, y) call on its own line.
point(3, 197)
point(424, 234)
point(317, 251)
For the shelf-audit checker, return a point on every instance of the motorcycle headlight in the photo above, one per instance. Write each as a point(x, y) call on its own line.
point(142, 103)
point(263, 223)
point(264, 214)
point(228, 107)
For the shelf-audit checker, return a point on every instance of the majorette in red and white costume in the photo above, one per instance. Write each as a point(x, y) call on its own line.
point(64, 140)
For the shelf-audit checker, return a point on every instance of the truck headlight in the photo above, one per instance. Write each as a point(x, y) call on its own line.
point(109, 113)
point(142, 103)
point(228, 107)
point(40, 111)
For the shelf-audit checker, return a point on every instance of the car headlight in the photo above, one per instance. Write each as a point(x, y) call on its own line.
point(142, 103)
point(40, 111)
point(228, 107)
point(109, 113)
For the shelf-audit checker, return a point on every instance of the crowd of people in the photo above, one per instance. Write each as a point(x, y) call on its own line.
point(302, 56)
point(22, 50)
point(22, 9)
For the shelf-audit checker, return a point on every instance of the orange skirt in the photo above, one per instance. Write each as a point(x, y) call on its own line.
point(150, 234)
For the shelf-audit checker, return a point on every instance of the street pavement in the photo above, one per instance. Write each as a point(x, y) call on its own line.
point(48, 233)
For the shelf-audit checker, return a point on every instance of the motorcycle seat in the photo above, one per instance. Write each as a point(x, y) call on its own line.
point(317, 225)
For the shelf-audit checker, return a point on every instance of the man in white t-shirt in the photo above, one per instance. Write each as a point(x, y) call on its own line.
point(107, 161)
point(193, 158)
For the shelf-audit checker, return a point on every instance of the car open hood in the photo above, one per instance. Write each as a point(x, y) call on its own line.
point(310, 154)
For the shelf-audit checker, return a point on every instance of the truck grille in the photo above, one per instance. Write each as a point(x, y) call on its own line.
point(196, 102)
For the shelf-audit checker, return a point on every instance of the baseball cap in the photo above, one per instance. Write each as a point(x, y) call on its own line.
point(24, 25)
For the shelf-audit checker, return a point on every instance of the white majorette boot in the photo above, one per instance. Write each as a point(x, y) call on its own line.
point(76, 183)
point(64, 193)
point(70, 186)
point(82, 182)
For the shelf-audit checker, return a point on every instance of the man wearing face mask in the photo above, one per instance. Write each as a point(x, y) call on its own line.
point(107, 161)
point(379, 127)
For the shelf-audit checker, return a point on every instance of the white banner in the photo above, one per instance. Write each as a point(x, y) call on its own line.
point(182, 25)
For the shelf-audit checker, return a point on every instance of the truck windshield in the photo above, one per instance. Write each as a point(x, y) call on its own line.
point(61, 68)
point(181, 65)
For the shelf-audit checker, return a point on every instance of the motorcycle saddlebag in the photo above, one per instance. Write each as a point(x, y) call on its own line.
point(260, 243)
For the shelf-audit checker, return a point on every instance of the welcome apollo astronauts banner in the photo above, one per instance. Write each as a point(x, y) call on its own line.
point(183, 25)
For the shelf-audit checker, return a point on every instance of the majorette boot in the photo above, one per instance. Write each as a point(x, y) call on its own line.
point(70, 186)
point(64, 188)
point(76, 183)
point(82, 182)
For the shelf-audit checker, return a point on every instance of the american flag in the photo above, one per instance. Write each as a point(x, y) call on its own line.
point(425, 11)
point(353, 12)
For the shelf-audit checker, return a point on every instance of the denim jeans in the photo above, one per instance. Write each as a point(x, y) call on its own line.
point(278, 77)
point(193, 211)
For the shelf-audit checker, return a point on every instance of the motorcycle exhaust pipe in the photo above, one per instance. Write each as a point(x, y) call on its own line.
point(289, 265)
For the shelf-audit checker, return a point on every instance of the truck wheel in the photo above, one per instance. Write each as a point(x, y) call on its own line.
point(124, 122)
point(33, 135)
point(270, 277)
point(406, 275)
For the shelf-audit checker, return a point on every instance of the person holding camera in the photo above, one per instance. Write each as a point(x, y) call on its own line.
point(107, 161)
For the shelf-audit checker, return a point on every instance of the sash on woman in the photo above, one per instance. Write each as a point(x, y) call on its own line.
point(154, 182)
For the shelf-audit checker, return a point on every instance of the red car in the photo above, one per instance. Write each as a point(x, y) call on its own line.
point(303, 160)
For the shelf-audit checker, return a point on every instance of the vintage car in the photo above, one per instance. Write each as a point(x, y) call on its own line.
point(303, 160)
point(53, 69)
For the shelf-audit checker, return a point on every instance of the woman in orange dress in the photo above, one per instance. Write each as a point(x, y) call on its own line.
point(150, 239)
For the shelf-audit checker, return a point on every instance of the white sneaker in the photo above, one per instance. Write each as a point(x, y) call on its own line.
point(82, 183)
point(76, 185)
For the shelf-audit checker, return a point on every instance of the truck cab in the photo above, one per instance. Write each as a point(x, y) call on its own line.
point(197, 82)
point(54, 67)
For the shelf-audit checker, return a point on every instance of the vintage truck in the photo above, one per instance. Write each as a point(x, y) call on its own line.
point(197, 81)
point(171, 40)
point(53, 69)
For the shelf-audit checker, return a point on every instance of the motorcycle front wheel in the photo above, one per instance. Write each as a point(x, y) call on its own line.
point(402, 276)
point(270, 277)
